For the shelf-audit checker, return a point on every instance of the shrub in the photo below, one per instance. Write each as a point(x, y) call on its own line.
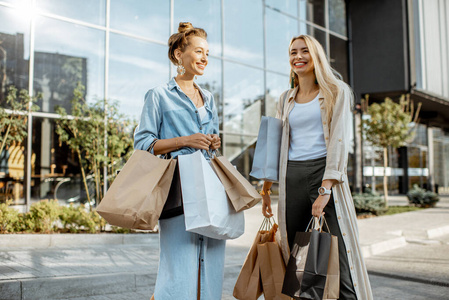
point(9, 218)
point(422, 198)
point(44, 214)
point(77, 219)
point(369, 203)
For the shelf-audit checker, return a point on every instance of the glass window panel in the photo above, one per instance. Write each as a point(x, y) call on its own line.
point(202, 14)
point(148, 18)
point(243, 94)
point(337, 16)
point(92, 11)
point(312, 11)
point(236, 146)
point(244, 31)
point(135, 66)
point(12, 173)
point(55, 169)
point(65, 55)
point(276, 85)
point(14, 50)
point(288, 6)
point(280, 30)
point(211, 81)
point(319, 34)
point(20, 3)
point(339, 56)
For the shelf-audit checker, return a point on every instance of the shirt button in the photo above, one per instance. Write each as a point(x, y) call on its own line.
point(196, 111)
point(336, 201)
point(352, 267)
point(355, 284)
point(339, 140)
point(349, 251)
point(201, 128)
point(327, 138)
point(344, 234)
point(324, 123)
point(339, 217)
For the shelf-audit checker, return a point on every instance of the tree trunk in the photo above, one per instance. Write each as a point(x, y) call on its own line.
point(84, 180)
point(5, 138)
point(385, 176)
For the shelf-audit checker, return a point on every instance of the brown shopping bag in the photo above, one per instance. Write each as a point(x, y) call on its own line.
point(138, 194)
point(332, 287)
point(241, 193)
point(272, 270)
point(248, 285)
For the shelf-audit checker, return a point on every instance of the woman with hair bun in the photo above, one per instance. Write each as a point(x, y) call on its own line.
point(314, 155)
point(180, 118)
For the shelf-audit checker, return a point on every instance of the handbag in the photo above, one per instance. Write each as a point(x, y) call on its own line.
point(207, 209)
point(241, 193)
point(138, 194)
point(268, 148)
point(332, 286)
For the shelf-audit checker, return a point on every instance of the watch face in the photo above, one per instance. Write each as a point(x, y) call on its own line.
point(321, 190)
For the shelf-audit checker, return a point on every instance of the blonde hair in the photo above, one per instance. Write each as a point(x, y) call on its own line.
point(180, 40)
point(332, 87)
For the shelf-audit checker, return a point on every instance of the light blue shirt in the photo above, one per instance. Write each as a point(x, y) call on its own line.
point(169, 113)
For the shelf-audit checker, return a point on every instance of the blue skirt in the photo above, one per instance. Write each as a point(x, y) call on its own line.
point(181, 254)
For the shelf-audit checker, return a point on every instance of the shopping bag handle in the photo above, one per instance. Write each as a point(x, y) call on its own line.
point(318, 224)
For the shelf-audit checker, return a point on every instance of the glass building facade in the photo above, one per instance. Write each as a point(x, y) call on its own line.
point(118, 50)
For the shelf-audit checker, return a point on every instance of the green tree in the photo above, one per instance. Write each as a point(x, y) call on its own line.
point(13, 121)
point(85, 131)
point(389, 124)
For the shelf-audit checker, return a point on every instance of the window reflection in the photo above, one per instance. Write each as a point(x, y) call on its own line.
point(339, 56)
point(202, 14)
point(147, 18)
point(55, 170)
point(276, 85)
point(92, 11)
point(14, 51)
point(337, 16)
point(12, 173)
point(280, 30)
point(243, 23)
point(312, 11)
point(135, 66)
point(65, 55)
point(287, 6)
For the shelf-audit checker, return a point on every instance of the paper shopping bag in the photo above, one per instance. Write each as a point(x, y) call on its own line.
point(272, 270)
point(332, 287)
point(207, 209)
point(138, 194)
point(268, 149)
point(241, 193)
point(248, 285)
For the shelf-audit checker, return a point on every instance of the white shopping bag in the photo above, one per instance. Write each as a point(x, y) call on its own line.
point(207, 209)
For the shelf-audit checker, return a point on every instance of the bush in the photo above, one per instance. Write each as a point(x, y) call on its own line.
point(9, 218)
point(369, 203)
point(78, 219)
point(44, 214)
point(422, 198)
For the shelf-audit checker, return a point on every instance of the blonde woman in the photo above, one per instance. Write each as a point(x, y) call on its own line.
point(180, 118)
point(314, 156)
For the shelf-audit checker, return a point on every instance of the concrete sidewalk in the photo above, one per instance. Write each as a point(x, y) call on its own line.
point(128, 265)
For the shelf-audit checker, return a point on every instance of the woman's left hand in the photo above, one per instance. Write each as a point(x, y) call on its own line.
point(319, 205)
point(216, 141)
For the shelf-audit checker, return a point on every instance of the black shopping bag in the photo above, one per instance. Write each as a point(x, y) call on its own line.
point(315, 271)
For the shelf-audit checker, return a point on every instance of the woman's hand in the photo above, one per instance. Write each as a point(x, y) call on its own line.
point(266, 206)
point(215, 142)
point(198, 141)
point(319, 205)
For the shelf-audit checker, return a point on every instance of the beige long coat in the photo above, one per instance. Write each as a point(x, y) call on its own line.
point(337, 137)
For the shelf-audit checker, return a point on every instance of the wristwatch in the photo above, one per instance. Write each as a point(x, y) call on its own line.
point(324, 191)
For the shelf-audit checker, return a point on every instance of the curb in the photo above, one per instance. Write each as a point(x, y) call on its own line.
point(409, 278)
point(66, 287)
point(383, 246)
point(10, 241)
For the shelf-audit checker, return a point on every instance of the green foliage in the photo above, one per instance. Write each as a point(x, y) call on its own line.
point(389, 123)
point(77, 219)
point(369, 203)
point(13, 123)
point(85, 132)
point(401, 209)
point(9, 218)
point(422, 198)
point(44, 215)
point(116, 229)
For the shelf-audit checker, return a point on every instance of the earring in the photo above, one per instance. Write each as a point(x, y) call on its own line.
point(316, 81)
point(292, 79)
point(196, 77)
point(180, 69)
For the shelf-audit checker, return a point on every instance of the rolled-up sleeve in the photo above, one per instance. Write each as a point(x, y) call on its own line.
point(150, 122)
point(339, 138)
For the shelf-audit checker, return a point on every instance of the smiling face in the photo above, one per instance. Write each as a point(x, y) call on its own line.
point(300, 59)
point(195, 57)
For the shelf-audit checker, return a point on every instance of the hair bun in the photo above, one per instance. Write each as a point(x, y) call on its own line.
point(184, 26)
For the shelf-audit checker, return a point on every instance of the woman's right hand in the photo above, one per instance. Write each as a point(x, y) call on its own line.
point(266, 206)
point(199, 141)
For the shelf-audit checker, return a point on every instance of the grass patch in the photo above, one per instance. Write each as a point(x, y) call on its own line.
point(401, 209)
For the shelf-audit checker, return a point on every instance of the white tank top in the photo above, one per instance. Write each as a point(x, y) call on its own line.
point(202, 111)
point(306, 131)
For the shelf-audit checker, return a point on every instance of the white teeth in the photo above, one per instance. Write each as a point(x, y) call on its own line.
point(299, 64)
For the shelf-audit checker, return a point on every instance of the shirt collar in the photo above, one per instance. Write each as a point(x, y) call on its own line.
point(173, 84)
